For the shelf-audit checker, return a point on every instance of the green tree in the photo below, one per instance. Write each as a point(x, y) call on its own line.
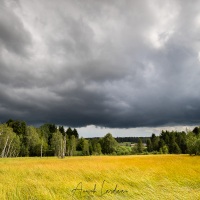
point(33, 141)
point(134, 149)
point(165, 136)
point(197, 146)
point(80, 144)
point(43, 142)
point(123, 150)
point(161, 143)
point(164, 149)
point(67, 145)
point(173, 146)
point(155, 142)
point(98, 149)
point(47, 131)
point(69, 132)
point(196, 130)
point(56, 143)
point(149, 145)
point(95, 147)
point(108, 144)
point(182, 141)
point(176, 148)
point(19, 127)
point(9, 142)
point(193, 143)
point(52, 128)
point(72, 145)
point(140, 146)
point(62, 130)
point(90, 147)
point(85, 150)
point(75, 133)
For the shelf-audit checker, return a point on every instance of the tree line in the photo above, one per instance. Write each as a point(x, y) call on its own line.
point(172, 143)
point(19, 139)
point(131, 139)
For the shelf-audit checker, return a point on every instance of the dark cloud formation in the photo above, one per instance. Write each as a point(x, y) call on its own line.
point(109, 63)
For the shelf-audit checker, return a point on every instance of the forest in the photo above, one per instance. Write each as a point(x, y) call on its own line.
point(17, 139)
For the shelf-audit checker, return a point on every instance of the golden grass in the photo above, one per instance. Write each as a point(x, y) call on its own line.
point(143, 177)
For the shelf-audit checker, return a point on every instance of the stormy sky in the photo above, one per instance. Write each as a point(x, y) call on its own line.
point(113, 64)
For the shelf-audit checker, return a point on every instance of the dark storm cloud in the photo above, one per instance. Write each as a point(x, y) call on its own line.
point(114, 64)
point(13, 37)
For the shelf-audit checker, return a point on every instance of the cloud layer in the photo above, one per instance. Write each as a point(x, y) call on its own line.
point(116, 64)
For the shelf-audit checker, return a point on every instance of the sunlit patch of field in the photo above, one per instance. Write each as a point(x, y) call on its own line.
point(101, 177)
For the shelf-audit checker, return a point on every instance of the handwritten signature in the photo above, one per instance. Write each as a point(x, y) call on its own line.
point(79, 190)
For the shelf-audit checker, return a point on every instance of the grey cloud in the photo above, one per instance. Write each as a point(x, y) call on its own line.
point(13, 36)
point(113, 64)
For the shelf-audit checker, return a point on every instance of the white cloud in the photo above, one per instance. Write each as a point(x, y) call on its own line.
point(95, 131)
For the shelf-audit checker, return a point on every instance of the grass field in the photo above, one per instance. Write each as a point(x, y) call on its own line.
point(101, 177)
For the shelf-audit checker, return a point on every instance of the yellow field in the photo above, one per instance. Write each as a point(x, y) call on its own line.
point(104, 177)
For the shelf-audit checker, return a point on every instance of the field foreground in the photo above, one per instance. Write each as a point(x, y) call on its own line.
point(101, 177)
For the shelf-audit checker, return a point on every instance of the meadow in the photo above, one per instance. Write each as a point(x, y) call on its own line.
point(101, 177)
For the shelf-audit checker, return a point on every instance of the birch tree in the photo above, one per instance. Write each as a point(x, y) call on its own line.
point(9, 142)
